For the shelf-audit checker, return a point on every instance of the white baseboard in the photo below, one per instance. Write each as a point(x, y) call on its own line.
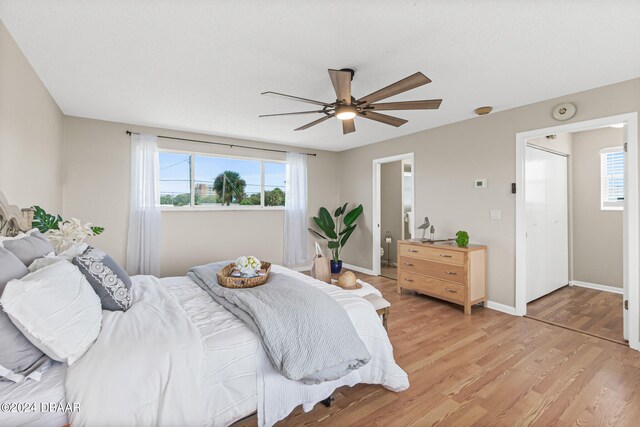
point(501, 307)
point(358, 269)
point(597, 287)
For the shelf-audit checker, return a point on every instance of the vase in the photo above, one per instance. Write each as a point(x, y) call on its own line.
point(336, 267)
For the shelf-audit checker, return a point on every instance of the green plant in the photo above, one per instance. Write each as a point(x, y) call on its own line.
point(462, 239)
point(44, 221)
point(230, 187)
point(346, 224)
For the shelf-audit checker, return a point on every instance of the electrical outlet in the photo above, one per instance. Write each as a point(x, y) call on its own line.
point(496, 214)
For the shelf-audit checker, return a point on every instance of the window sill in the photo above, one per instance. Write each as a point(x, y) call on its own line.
point(219, 209)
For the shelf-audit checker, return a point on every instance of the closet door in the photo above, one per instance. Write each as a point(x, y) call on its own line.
point(546, 196)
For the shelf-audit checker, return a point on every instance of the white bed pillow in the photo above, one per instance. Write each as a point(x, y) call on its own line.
point(56, 309)
point(67, 255)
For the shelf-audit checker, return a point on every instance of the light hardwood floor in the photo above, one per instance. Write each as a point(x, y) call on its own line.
point(488, 369)
point(389, 272)
point(595, 312)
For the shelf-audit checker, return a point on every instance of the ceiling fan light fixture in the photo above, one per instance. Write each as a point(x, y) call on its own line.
point(346, 112)
point(346, 107)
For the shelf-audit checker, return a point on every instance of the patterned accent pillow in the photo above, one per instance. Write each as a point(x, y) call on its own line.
point(107, 278)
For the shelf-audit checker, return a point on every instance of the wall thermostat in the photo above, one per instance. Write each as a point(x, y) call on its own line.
point(480, 183)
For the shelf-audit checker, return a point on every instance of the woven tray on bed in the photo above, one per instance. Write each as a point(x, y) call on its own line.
point(225, 279)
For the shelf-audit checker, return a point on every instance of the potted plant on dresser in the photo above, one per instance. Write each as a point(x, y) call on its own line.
point(336, 230)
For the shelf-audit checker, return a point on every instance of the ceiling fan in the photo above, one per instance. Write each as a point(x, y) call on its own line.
point(346, 107)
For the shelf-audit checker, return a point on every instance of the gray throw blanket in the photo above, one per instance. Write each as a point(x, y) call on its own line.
point(307, 335)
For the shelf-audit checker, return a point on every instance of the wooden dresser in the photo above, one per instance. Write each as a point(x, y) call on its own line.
point(444, 271)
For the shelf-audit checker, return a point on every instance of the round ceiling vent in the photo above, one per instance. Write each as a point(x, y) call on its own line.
point(564, 111)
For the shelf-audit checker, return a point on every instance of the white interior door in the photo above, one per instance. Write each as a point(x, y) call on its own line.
point(546, 198)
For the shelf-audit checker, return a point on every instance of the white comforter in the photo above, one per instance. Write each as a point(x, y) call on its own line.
point(179, 358)
point(145, 368)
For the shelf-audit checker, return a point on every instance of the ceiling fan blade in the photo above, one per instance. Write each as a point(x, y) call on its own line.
point(348, 126)
point(413, 81)
point(383, 118)
point(315, 122)
point(296, 98)
point(291, 114)
point(341, 81)
point(431, 104)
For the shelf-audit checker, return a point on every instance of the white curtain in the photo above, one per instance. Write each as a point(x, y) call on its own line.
point(295, 211)
point(143, 244)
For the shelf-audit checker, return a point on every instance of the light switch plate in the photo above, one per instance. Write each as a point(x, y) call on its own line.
point(496, 214)
point(480, 183)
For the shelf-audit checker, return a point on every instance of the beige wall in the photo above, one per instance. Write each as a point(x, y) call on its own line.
point(597, 234)
point(30, 133)
point(390, 207)
point(449, 158)
point(96, 189)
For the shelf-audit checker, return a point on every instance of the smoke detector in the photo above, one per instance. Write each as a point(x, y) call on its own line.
point(483, 111)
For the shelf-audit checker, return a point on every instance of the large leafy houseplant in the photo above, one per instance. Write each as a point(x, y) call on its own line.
point(336, 230)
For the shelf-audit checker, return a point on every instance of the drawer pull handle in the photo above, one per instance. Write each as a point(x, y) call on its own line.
point(453, 291)
point(408, 280)
point(445, 256)
point(408, 264)
point(413, 250)
point(453, 273)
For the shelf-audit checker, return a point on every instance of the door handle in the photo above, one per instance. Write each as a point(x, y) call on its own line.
point(453, 273)
point(445, 256)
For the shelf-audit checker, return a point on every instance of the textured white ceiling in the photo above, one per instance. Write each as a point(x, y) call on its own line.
point(201, 65)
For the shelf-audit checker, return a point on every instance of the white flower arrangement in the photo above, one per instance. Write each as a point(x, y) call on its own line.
point(248, 265)
point(70, 232)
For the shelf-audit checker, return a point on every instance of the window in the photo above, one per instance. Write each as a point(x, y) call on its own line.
point(175, 179)
point(274, 184)
point(612, 179)
point(219, 182)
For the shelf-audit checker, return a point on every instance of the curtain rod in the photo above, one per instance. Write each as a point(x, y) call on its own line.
point(224, 144)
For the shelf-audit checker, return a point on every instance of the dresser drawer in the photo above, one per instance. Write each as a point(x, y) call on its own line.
point(455, 273)
point(447, 290)
point(433, 254)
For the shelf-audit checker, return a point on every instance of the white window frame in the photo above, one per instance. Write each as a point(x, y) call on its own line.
point(607, 205)
point(219, 207)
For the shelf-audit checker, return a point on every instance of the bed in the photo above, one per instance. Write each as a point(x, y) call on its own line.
point(177, 357)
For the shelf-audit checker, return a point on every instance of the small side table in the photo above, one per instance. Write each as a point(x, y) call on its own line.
point(382, 307)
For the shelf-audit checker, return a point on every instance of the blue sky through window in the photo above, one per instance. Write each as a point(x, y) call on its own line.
point(175, 173)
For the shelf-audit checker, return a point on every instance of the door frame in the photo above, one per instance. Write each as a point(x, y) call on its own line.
point(377, 206)
point(631, 218)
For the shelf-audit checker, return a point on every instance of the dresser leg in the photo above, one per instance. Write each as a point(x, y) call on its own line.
point(467, 308)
